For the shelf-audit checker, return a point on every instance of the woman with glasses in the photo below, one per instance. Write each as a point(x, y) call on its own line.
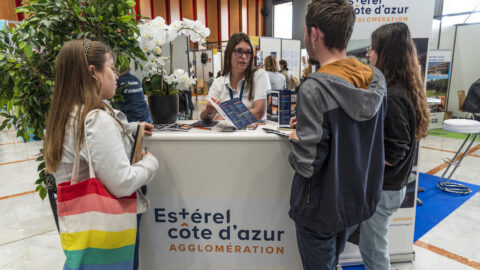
point(240, 80)
point(393, 52)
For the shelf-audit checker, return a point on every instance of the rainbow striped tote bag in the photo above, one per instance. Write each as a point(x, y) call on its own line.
point(97, 230)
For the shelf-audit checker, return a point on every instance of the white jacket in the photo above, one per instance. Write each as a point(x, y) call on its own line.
point(110, 150)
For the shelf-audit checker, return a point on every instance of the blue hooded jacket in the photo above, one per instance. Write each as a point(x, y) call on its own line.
point(339, 157)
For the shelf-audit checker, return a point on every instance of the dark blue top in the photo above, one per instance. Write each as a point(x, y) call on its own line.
point(134, 105)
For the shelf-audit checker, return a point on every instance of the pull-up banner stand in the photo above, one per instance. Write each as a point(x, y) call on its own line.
point(371, 14)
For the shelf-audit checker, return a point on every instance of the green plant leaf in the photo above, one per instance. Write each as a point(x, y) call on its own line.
point(125, 18)
point(43, 192)
point(131, 3)
point(21, 10)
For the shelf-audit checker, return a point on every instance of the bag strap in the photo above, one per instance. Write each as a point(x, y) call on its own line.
point(76, 162)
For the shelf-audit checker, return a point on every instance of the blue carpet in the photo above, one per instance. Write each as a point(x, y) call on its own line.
point(437, 205)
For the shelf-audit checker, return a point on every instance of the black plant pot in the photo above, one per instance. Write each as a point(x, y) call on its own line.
point(164, 109)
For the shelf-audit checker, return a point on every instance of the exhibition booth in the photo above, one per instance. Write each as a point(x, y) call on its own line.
point(229, 209)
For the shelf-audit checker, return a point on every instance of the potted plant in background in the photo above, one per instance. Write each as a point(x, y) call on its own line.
point(163, 88)
point(29, 50)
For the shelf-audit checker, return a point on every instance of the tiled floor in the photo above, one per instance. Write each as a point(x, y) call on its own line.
point(28, 237)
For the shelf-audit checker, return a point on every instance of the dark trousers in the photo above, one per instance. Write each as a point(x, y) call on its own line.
point(320, 251)
point(137, 244)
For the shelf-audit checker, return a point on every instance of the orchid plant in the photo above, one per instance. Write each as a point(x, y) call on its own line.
point(153, 35)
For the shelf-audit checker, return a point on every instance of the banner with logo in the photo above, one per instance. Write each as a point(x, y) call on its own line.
point(371, 14)
point(219, 201)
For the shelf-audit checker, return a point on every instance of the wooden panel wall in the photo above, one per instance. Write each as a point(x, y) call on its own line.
point(175, 10)
point(213, 19)
point(252, 18)
point(145, 8)
point(187, 7)
point(200, 10)
point(223, 17)
point(160, 8)
point(244, 16)
point(7, 10)
point(224, 21)
point(234, 16)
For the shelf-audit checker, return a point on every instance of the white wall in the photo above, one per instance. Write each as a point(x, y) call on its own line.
point(433, 41)
point(466, 63)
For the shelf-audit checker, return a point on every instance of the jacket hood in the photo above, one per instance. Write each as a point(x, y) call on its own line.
point(358, 103)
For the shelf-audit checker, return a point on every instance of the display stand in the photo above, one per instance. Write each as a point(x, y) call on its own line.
point(237, 182)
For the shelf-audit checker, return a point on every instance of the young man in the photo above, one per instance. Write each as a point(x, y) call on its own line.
point(337, 147)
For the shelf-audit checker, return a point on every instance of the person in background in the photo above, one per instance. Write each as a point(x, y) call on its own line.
point(337, 147)
point(210, 79)
point(133, 104)
point(85, 77)
point(472, 101)
point(393, 52)
point(304, 62)
point(290, 82)
point(277, 81)
point(306, 71)
point(240, 79)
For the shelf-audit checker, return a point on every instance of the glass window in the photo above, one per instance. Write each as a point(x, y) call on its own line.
point(474, 18)
point(452, 20)
point(456, 6)
point(282, 25)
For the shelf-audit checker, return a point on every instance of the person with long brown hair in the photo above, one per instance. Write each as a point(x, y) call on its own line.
point(85, 76)
point(277, 80)
point(393, 52)
point(239, 79)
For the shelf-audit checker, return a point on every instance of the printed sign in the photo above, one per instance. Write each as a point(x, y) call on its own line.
point(370, 14)
point(219, 231)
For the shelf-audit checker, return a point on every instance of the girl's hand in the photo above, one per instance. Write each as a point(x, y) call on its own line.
point(148, 128)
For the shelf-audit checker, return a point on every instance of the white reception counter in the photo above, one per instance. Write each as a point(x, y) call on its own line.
point(220, 200)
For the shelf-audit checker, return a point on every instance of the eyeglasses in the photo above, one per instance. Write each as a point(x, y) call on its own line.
point(239, 52)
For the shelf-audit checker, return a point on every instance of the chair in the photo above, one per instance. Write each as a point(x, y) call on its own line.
point(467, 126)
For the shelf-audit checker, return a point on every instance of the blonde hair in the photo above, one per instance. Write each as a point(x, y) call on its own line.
point(271, 64)
point(75, 87)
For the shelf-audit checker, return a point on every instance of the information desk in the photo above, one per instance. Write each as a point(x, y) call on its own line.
point(220, 201)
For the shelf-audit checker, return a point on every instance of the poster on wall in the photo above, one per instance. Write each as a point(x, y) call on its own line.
point(369, 16)
point(438, 75)
point(291, 56)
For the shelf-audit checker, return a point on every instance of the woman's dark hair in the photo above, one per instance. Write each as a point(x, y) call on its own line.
point(398, 60)
point(227, 64)
point(283, 64)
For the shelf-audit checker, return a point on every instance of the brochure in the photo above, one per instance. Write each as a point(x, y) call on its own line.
point(234, 112)
point(172, 127)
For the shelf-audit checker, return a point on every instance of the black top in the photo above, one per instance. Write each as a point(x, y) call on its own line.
point(472, 101)
point(399, 131)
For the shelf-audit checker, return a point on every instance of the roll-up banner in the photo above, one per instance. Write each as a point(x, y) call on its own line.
point(371, 14)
